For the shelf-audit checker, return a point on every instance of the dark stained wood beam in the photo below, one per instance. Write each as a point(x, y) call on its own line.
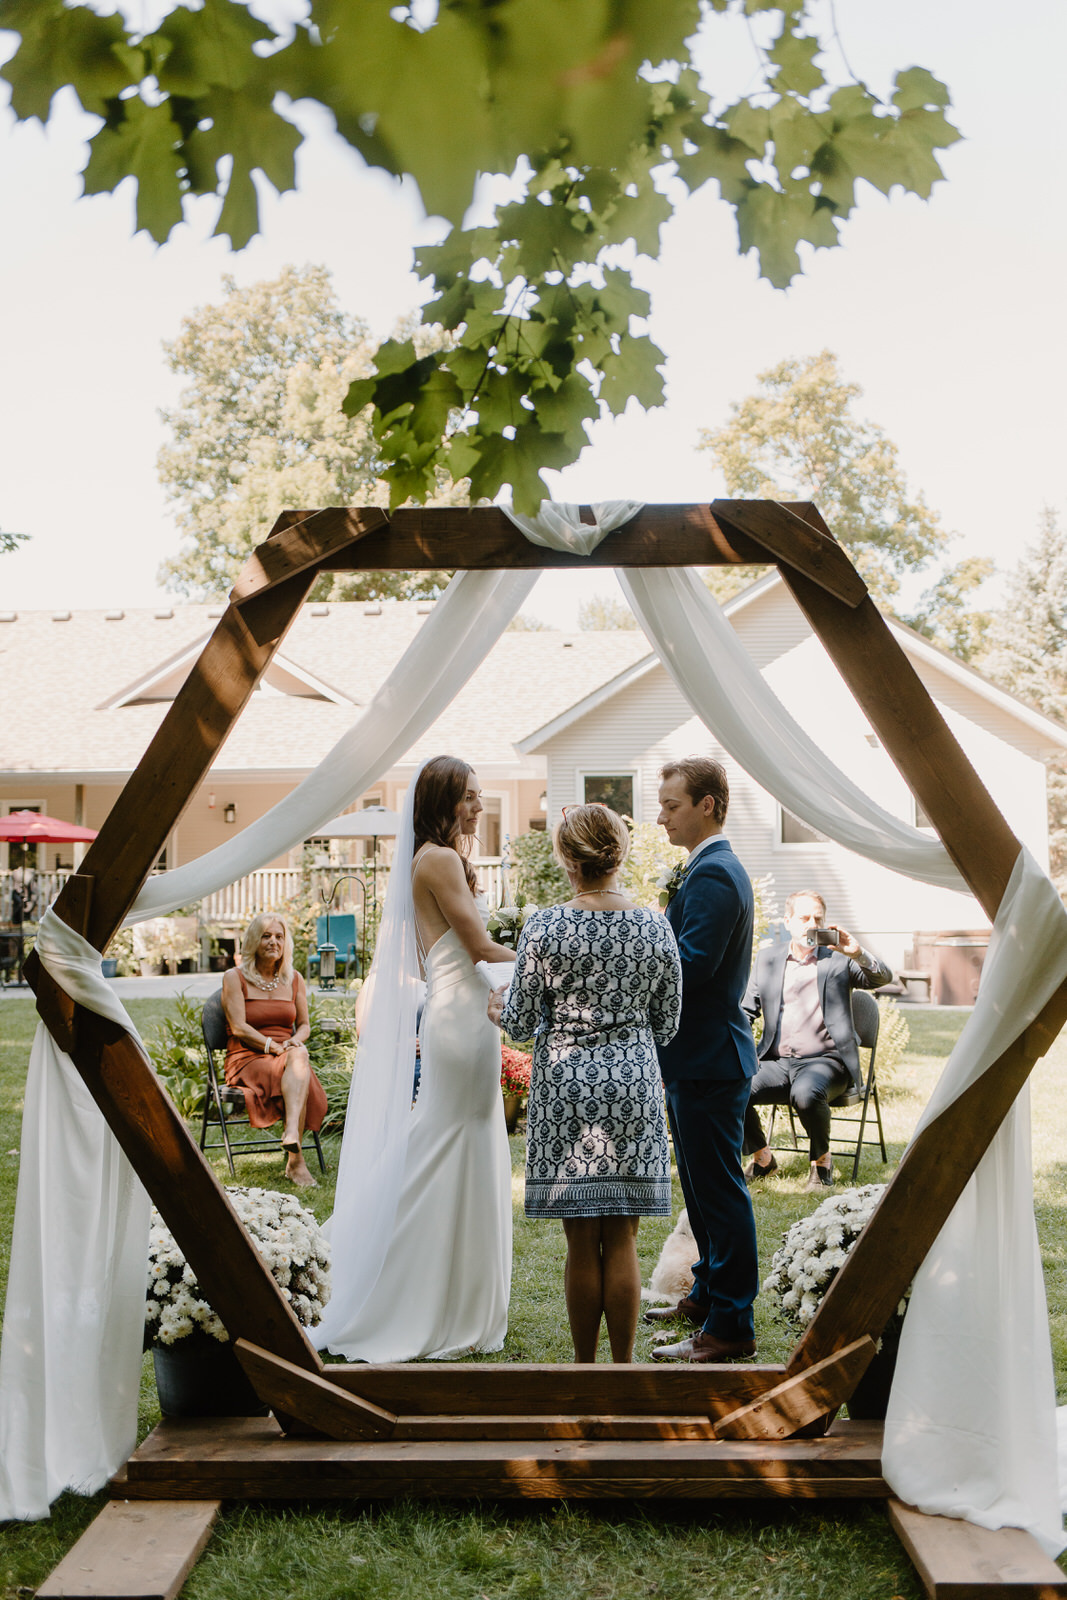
point(787, 539)
point(181, 752)
point(293, 548)
point(479, 537)
point(232, 1274)
point(930, 1179)
point(311, 1398)
point(248, 1458)
point(916, 737)
point(801, 1398)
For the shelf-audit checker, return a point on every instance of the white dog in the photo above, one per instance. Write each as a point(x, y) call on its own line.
point(673, 1277)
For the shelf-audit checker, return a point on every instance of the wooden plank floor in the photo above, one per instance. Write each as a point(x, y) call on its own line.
point(958, 1561)
point(141, 1551)
point(250, 1458)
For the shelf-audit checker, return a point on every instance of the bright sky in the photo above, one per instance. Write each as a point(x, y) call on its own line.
point(948, 313)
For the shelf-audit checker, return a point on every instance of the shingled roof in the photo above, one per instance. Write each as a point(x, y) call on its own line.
point(68, 674)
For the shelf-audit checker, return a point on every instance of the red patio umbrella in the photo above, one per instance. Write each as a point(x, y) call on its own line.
point(34, 827)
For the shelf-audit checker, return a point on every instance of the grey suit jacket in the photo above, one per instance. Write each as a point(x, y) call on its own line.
point(836, 975)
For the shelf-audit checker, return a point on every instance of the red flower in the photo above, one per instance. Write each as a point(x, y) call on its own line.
point(514, 1071)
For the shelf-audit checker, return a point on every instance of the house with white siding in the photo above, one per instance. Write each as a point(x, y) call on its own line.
point(548, 719)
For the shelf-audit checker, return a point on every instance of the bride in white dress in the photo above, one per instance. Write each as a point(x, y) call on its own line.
point(421, 1230)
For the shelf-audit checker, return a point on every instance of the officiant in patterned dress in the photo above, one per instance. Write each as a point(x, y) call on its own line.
point(598, 981)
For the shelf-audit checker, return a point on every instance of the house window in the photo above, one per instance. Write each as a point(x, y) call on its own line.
point(921, 818)
point(610, 789)
point(792, 831)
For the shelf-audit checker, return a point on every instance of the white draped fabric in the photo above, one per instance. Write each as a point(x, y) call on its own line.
point(724, 686)
point(451, 644)
point(972, 1429)
point(700, 650)
point(373, 1162)
point(70, 1365)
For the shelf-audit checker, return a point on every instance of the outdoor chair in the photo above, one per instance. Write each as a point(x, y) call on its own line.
point(343, 934)
point(226, 1104)
point(843, 1112)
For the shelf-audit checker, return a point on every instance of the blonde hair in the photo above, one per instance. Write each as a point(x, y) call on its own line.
point(254, 933)
point(591, 841)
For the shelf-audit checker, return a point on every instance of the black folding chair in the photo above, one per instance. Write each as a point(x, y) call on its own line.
point(867, 1020)
point(221, 1095)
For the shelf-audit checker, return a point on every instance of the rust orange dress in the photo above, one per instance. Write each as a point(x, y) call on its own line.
point(260, 1076)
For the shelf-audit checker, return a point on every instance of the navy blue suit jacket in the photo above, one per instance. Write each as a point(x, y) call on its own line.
point(712, 916)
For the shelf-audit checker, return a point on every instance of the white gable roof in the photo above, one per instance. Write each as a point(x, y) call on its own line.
point(740, 609)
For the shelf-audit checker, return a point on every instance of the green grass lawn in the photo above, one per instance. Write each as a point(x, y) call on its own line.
point(607, 1551)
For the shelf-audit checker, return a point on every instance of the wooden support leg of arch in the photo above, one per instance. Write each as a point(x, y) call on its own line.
point(801, 1398)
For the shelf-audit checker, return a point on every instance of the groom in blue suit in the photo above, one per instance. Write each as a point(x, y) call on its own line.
point(708, 1065)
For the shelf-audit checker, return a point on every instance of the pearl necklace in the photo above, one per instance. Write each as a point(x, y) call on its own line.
point(264, 983)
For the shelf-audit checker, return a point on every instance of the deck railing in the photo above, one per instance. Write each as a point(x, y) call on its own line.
point(263, 890)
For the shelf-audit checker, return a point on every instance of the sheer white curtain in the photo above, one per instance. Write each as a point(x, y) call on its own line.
point(370, 1175)
point(451, 644)
point(70, 1364)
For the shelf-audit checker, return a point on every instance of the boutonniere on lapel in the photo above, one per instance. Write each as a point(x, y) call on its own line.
point(670, 883)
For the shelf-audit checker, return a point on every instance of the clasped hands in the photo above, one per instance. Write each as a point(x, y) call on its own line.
point(496, 1004)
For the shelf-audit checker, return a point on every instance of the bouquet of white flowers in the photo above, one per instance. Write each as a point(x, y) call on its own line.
point(813, 1251)
point(287, 1237)
point(506, 924)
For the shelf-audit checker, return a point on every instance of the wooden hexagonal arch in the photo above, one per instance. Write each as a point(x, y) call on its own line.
point(453, 1428)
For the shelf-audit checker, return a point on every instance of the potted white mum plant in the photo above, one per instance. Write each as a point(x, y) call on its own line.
point(197, 1373)
point(811, 1254)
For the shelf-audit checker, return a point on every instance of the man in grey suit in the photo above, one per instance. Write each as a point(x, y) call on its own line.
point(808, 1054)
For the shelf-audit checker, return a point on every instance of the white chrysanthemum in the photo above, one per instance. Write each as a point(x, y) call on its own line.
point(293, 1250)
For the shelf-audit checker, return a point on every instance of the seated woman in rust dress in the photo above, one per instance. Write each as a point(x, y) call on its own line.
point(266, 1009)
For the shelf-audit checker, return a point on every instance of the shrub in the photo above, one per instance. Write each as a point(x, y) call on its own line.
point(536, 876)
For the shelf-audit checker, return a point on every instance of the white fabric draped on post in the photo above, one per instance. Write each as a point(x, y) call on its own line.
point(699, 649)
point(70, 1365)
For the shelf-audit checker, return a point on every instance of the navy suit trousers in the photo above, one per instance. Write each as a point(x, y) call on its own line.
point(706, 1118)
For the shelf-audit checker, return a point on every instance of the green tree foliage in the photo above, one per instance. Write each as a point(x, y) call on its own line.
point(1027, 654)
point(596, 108)
point(259, 429)
point(798, 438)
point(604, 613)
point(10, 541)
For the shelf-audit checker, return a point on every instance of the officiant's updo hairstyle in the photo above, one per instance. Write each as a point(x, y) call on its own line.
point(591, 841)
point(439, 788)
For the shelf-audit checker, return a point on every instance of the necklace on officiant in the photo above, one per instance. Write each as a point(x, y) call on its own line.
point(265, 983)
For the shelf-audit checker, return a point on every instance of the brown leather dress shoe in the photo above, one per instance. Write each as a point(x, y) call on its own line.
point(705, 1347)
point(686, 1309)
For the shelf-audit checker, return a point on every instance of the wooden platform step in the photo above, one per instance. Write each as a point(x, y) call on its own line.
point(140, 1550)
point(250, 1458)
point(959, 1561)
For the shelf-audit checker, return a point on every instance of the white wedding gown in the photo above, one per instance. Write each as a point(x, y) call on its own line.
point(443, 1290)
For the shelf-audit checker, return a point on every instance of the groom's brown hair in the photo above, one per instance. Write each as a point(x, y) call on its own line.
point(439, 788)
point(702, 776)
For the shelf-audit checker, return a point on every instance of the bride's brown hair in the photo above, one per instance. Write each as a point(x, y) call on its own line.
point(439, 788)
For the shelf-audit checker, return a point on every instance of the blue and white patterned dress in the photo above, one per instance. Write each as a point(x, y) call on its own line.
point(599, 989)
